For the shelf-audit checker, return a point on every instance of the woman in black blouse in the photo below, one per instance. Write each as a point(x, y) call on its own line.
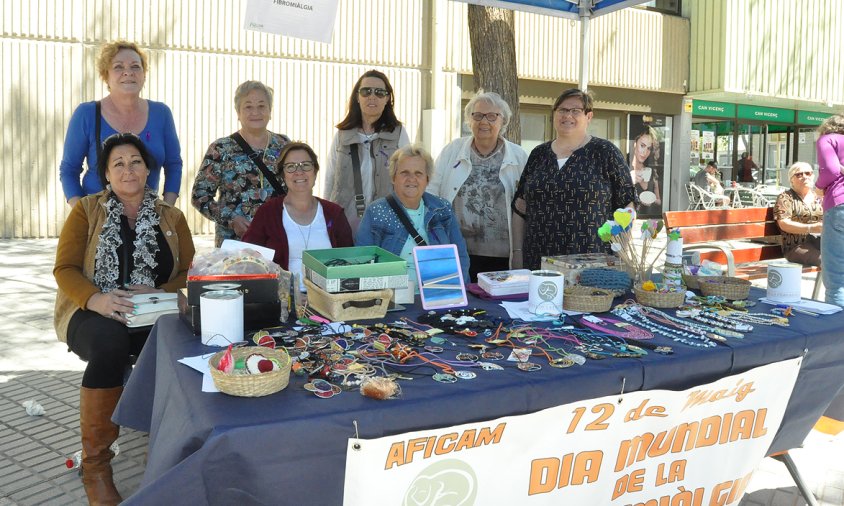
point(570, 186)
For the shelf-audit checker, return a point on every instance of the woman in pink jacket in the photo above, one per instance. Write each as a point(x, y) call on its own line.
point(830, 148)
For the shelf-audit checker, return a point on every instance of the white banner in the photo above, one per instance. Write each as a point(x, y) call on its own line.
point(694, 447)
point(304, 19)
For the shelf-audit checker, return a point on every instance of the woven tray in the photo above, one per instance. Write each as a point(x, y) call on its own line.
point(348, 306)
point(725, 286)
point(659, 299)
point(587, 299)
point(252, 385)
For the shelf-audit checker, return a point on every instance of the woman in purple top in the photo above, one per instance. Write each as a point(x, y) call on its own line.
point(830, 148)
point(123, 67)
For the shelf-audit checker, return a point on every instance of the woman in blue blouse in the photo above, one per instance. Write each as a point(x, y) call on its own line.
point(123, 67)
point(410, 169)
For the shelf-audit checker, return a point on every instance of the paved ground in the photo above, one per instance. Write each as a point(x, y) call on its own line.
point(34, 366)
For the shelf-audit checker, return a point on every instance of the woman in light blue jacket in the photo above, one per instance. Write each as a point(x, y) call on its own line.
point(478, 176)
point(432, 217)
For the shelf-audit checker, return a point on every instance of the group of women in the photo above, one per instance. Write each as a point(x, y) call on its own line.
point(500, 207)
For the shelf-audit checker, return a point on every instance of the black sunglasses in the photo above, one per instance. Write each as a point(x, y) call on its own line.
point(379, 92)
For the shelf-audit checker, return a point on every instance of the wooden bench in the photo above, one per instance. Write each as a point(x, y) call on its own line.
point(706, 233)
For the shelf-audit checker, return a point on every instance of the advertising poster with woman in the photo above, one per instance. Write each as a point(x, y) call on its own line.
point(647, 158)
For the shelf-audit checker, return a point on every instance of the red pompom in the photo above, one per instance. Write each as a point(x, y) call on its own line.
point(265, 365)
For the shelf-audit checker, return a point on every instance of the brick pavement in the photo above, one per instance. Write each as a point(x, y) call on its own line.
point(33, 365)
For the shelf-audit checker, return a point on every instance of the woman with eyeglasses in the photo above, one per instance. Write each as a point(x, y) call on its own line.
point(298, 221)
point(357, 171)
point(116, 243)
point(478, 176)
point(238, 172)
point(123, 66)
point(799, 211)
point(830, 149)
point(569, 188)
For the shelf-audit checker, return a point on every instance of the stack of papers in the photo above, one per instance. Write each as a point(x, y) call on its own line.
point(813, 306)
point(520, 311)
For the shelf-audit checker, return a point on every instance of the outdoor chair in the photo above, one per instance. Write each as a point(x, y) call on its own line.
point(710, 200)
point(694, 198)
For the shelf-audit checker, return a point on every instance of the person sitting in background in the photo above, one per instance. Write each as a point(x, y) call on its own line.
point(478, 176)
point(799, 211)
point(116, 243)
point(431, 216)
point(298, 221)
point(707, 179)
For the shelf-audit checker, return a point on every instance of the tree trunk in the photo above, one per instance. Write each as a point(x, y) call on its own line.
point(494, 59)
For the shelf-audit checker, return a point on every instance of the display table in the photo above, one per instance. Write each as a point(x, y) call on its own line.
point(290, 447)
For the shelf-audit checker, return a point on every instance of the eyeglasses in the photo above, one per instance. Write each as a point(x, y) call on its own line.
point(804, 174)
point(292, 167)
point(490, 116)
point(577, 111)
point(379, 92)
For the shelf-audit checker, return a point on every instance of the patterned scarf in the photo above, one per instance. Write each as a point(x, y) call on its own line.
point(106, 263)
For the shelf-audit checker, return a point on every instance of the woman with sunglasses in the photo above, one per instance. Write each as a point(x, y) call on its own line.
point(357, 173)
point(799, 211)
point(298, 221)
point(116, 243)
point(478, 176)
point(123, 67)
point(236, 175)
point(570, 186)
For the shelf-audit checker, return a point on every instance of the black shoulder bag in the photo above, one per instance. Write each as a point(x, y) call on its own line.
point(259, 162)
point(360, 200)
point(406, 221)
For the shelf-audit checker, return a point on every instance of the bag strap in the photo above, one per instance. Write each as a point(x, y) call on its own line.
point(360, 200)
point(259, 162)
point(406, 221)
point(98, 108)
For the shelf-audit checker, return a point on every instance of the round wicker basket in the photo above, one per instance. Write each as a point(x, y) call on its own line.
point(725, 286)
point(659, 299)
point(587, 299)
point(252, 385)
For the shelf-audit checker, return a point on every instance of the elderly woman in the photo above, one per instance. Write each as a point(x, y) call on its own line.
point(123, 67)
point(644, 153)
point(114, 244)
point(570, 186)
point(799, 212)
point(236, 175)
point(356, 173)
point(430, 216)
point(478, 176)
point(299, 221)
point(830, 149)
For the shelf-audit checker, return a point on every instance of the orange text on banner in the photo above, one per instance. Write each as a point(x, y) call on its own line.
point(403, 452)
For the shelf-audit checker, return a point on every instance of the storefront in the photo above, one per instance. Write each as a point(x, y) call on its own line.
point(752, 144)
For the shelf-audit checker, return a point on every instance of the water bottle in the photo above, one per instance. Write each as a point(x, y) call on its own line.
point(75, 460)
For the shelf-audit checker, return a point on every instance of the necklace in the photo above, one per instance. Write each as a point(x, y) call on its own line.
point(681, 333)
point(309, 226)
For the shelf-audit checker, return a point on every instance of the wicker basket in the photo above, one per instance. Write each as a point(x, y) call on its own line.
point(587, 299)
point(725, 286)
point(348, 306)
point(252, 385)
point(659, 299)
point(692, 281)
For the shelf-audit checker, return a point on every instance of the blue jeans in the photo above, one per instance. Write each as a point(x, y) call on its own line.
point(832, 244)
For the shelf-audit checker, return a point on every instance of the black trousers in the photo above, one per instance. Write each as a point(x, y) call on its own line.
point(106, 345)
point(478, 263)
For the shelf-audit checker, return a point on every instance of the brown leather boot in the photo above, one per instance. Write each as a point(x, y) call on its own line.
point(96, 406)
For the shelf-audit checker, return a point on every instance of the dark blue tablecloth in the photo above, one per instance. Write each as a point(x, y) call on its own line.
point(290, 447)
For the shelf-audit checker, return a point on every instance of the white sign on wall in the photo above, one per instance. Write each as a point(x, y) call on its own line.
point(698, 446)
point(304, 19)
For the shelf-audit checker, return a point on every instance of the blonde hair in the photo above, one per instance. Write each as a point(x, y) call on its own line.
point(832, 125)
point(411, 151)
point(110, 50)
point(799, 167)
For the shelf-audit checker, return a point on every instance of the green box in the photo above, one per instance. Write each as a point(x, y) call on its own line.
point(357, 262)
